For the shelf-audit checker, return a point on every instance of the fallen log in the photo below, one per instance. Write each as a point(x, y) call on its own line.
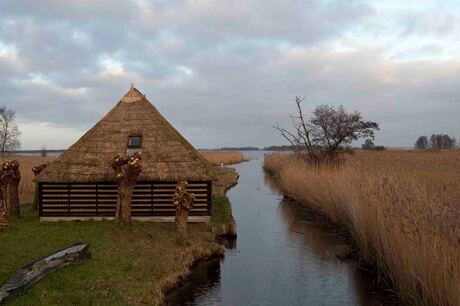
point(35, 271)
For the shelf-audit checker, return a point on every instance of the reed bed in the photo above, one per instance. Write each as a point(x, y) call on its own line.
point(225, 157)
point(26, 163)
point(402, 208)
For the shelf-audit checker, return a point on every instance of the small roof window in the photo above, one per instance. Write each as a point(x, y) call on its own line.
point(134, 142)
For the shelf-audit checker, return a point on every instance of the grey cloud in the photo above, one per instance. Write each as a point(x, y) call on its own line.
point(222, 72)
point(429, 23)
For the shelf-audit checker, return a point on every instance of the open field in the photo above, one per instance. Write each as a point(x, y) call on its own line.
point(225, 157)
point(402, 209)
point(127, 268)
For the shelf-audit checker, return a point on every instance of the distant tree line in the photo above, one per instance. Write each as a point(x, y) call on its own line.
point(280, 148)
point(436, 142)
point(250, 148)
point(370, 145)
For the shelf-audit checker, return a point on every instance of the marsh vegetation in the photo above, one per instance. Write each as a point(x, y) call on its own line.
point(224, 157)
point(402, 209)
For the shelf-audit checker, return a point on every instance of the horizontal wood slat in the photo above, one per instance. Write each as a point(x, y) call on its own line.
point(100, 199)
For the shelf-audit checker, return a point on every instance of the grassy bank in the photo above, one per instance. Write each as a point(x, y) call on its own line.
point(402, 208)
point(225, 157)
point(127, 268)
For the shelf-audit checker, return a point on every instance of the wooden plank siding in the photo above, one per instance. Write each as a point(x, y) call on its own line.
point(100, 199)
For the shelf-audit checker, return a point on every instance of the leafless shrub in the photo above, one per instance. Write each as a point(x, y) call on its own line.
point(327, 134)
point(9, 132)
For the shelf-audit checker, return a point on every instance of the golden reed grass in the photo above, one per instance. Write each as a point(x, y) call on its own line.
point(225, 157)
point(26, 163)
point(402, 209)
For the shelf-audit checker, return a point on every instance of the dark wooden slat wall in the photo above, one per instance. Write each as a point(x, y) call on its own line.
point(99, 199)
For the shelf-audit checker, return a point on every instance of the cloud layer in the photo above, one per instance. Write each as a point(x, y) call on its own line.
point(223, 72)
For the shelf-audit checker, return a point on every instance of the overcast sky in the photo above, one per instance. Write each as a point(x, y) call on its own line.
point(223, 72)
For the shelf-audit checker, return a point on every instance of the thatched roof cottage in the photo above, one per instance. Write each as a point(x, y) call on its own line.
point(80, 184)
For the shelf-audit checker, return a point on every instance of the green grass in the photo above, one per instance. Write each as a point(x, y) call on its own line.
point(222, 209)
point(126, 268)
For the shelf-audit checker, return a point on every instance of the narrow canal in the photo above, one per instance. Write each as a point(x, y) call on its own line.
point(281, 256)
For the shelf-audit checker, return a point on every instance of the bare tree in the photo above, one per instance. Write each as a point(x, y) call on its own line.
point(3, 219)
point(442, 141)
point(300, 138)
point(183, 201)
point(3, 199)
point(421, 143)
point(10, 177)
point(4, 180)
point(368, 145)
point(449, 142)
point(13, 187)
point(9, 132)
point(327, 134)
point(37, 170)
point(127, 170)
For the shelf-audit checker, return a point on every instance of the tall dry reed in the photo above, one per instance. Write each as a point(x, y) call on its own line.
point(401, 207)
point(26, 163)
point(225, 157)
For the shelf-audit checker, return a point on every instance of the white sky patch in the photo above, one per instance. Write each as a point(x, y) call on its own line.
point(8, 51)
point(142, 3)
point(9, 58)
point(185, 70)
point(406, 31)
point(52, 136)
point(39, 79)
point(182, 76)
point(80, 36)
point(398, 5)
point(111, 65)
point(169, 42)
point(80, 91)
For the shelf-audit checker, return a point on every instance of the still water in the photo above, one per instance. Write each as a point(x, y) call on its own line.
point(281, 256)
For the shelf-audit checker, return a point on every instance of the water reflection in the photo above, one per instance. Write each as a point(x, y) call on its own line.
point(282, 258)
point(326, 243)
point(203, 280)
point(299, 221)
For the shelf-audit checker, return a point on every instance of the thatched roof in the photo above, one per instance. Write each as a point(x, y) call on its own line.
point(166, 155)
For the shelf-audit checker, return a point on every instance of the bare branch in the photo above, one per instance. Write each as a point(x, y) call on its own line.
point(328, 133)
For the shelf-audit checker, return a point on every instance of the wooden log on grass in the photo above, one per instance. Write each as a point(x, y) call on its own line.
point(35, 271)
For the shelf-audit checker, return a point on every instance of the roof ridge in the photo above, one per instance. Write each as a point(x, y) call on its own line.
point(133, 95)
point(167, 154)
